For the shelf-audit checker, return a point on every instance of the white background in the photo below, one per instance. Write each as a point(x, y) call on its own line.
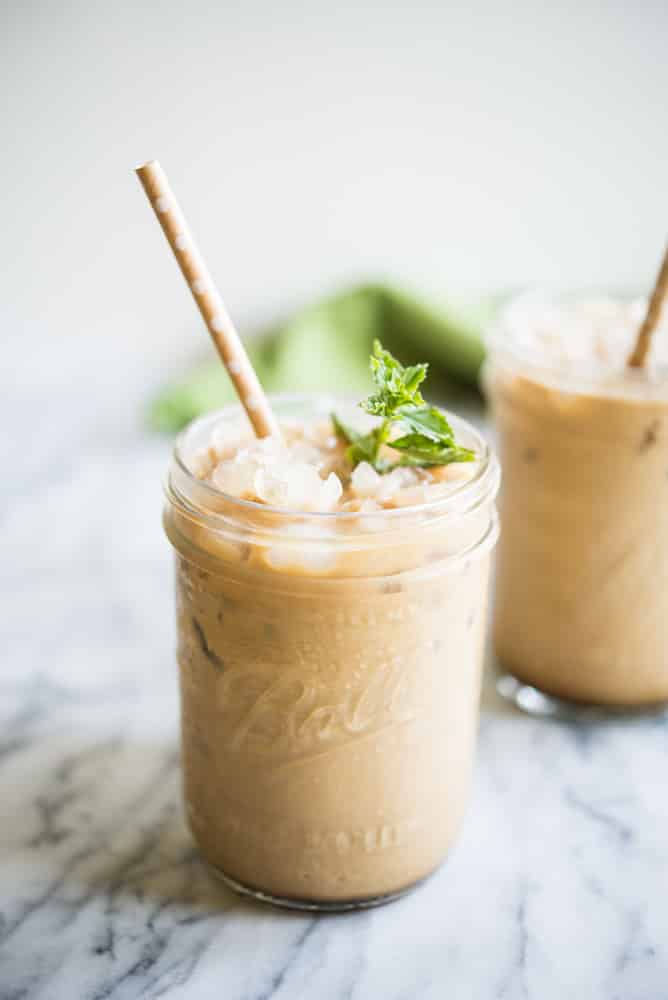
point(458, 147)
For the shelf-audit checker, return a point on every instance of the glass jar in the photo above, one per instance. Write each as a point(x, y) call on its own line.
point(581, 597)
point(330, 670)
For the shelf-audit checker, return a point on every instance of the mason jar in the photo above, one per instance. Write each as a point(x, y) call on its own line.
point(330, 668)
point(581, 596)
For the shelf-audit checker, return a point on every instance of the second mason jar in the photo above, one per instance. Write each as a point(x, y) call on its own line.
point(330, 672)
point(581, 600)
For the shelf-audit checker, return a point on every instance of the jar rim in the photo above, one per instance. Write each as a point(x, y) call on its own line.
point(463, 497)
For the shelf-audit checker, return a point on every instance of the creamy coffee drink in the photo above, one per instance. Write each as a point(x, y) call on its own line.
point(330, 634)
point(582, 574)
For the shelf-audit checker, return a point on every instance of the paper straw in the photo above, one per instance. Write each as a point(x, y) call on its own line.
point(651, 321)
point(207, 298)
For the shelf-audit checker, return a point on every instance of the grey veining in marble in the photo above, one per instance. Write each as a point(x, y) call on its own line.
point(557, 888)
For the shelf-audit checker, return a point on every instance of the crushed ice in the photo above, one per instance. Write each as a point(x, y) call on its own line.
point(307, 470)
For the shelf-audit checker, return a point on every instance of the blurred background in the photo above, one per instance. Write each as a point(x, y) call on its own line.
point(455, 148)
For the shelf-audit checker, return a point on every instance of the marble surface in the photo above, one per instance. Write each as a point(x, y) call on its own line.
point(557, 888)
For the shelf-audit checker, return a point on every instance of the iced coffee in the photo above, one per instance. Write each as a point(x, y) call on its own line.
point(582, 577)
point(331, 618)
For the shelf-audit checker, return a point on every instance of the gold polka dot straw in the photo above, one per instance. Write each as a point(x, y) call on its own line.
point(207, 298)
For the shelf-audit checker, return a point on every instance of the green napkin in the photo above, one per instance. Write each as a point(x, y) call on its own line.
point(326, 347)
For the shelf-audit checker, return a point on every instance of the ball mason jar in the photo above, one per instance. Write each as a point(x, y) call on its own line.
point(580, 623)
point(330, 669)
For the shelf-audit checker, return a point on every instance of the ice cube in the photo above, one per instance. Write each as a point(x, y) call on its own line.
point(306, 453)
point(235, 478)
point(265, 451)
point(203, 463)
point(393, 482)
point(461, 472)
point(330, 491)
point(365, 480)
point(227, 439)
point(303, 485)
point(411, 497)
point(269, 487)
point(453, 473)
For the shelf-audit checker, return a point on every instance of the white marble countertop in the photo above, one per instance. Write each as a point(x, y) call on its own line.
point(557, 888)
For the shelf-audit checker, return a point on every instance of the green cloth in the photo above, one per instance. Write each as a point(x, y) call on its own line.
point(326, 347)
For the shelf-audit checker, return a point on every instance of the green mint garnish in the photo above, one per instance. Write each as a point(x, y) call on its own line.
point(420, 433)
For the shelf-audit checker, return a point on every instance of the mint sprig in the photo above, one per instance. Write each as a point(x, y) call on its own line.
point(362, 447)
point(420, 433)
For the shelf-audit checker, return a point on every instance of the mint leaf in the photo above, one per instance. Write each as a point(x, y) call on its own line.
point(419, 450)
point(348, 434)
point(363, 447)
point(426, 420)
point(425, 435)
point(396, 385)
point(447, 457)
point(414, 377)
